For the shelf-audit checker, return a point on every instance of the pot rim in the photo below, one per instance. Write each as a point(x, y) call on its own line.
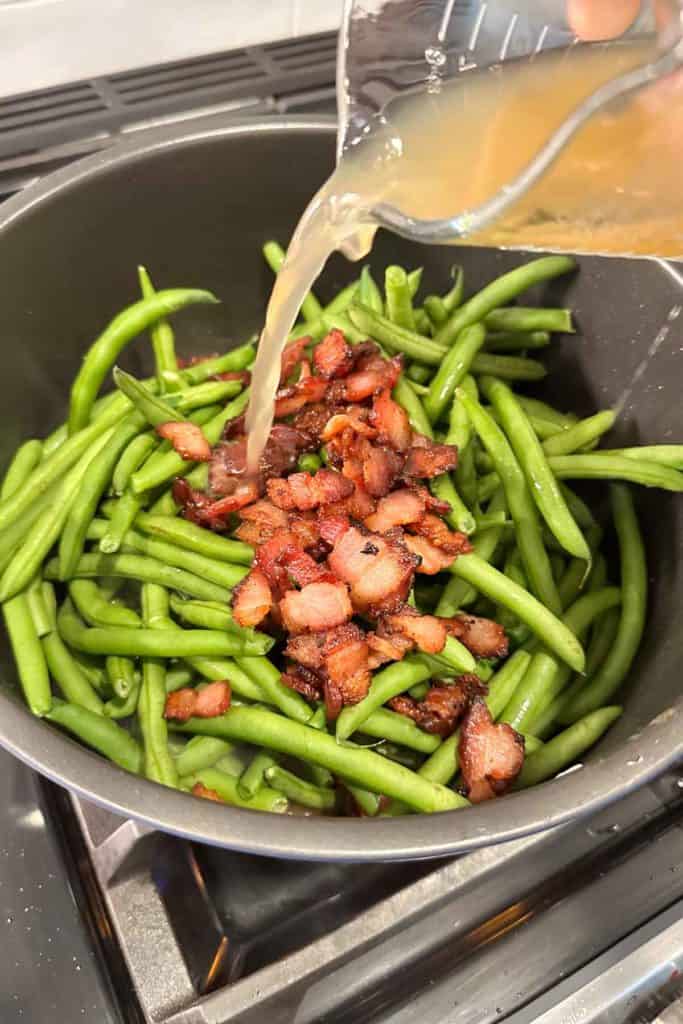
point(64, 761)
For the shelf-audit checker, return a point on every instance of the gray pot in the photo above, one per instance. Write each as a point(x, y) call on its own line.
point(194, 204)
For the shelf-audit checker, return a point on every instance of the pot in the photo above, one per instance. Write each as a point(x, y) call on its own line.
point(194, 205)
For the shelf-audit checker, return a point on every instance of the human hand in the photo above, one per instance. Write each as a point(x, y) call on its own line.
point(592, 20)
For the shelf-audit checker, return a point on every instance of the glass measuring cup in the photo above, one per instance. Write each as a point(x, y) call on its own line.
point(591, 132)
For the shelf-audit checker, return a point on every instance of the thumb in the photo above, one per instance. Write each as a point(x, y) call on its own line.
point(601, 19)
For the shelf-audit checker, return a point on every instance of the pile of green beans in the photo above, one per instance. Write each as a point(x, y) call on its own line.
point(112, 601)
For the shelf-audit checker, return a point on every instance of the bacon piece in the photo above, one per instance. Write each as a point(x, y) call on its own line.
point(385, 648)
point(305, 529)
point(187, 439)
point(333, 357)
point(399, 508)
point(302, 569)
point(243, 376)
point(192, 502)
point(428, 459)
point(317, 606)
point(211, 701)
point(483, 637)
point(271, 555)
point(433, 559)
point(252, 599)
point(438, 534)
point(491, 756)
point(228, 466)
point(428, 632)
point(341, 654)
point(260, 521)
point(306, 491)
point(391, 422)
point(334, 700)
point(378, 568)
point(381, 467)
point(311, 421)
point(376, 375)
point(332, 525)
point(293, 398)
point(292, 354)
point(353, 418)
point(443, 706)
point(200, 509)
point(305, 682)
point(199, 789)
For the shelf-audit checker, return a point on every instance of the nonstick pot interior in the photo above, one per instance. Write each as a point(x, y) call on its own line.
point(195, 208)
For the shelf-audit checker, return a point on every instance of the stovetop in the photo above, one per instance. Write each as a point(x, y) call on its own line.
point(105, 921)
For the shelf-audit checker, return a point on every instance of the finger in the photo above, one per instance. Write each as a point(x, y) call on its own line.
point(601, 19)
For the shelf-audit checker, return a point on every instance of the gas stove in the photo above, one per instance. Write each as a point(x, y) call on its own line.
point(107, 921)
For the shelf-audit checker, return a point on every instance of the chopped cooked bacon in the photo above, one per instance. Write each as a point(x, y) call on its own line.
point(192, 502)
point(334, 699)
point(199, 789)
point(399, 508)
point(305, 529)
point(293, 398)
point(443, 706)
point(438, 534)
point(302, 569)
point(378, 569)
point(332, 525)
point(333, 357)
point(200, 509)
point(381, 467)
point(391, 647)
point(428, 632)
point(252, 599)
point(209, 702)
point(341, 654)
point(260, 521)
point(491, 756)
point(370, 376)
point(311, 421)
point(271, 556)
point(391, 421)
point(428, 459)
point(353, 418)
point(306, 491)
point(292, 354)
point(243, 376)
point(317, 606)
point(187, 439)
point(228, 466)
point(305, 682)
point(483, 637)
point(433, 559)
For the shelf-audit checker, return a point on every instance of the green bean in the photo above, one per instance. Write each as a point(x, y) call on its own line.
point(457, 656)
point(94, 607)
point(158, 762)
point(632, 623)
point(164, 505)
point(230, 362)
point(459, 516)
point(24, 461)
point(397, 339)
point(253, 776)
point(93, 484)
point(218, 669)
point(226, 786)
point(582, 433)
point(515, 341)
point(47, 527)
point(201, 752)
point(212, 392)
point(208, 615)
point(309, 462)
point(361, 767)
point(184, 534)
point(172, 463)
point(267, 678)
point(123, 328)
point(343, 299)
point(398, 298)
point(443, 764)
point(131, 459)
point(339, 322)
point(28, 654)
point(98, 732)
point(503, 290)
point(406, 397)
point(526, 318)
point(121, 675)
point(68, 674)
point(123, 516)
point(459, 427)
point(275, 256)
point(177, 678)
point(388, 725)
point(423, 324)
point(367, 803)
point(522, 508)
point(670, 455)
point(418, 374)
point(221, 573)
point(12, 538)
point(385, 684)
point(151, 407)
point(420, 390)
point(602, 466)
point(602, 639)
point(124, 707)
point(443, 306)
point(494, 585)
point(457, 593)
point(507, 367)
point(564, 749)
point(542, 428)
point(138, 567)
point(368, 293)
point(43, 617)
point(435, 309)
point(453, 369)
point(163, 342)
point(298, 790)
point(466, 477)
point(546, 678)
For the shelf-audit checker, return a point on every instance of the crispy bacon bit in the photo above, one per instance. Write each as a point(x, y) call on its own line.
point(302, 569)
point(252, 599)
point(311, 421)
point(317, 606)
point(491, 756)
point(391, 422)
point(433, 559)
point(428, 632)
point(293, 398)
point(381, 467)
point(354, 418)
point(334, 699)
point(483, 637)
point(292, 354)
point(333, 357)
point(211, 701)
point(340, 654)
point(438, 534)
point(443, 706)
point(428, 459)
point(260, 521)
point(379, 574)
point(306, 491)
point(305, 529)
point(199, 789)
point(192, 502)
point(332, 526)
point(305, 682)
point(187, 439)
point(399, 508)
point(370, 376)
point(228, 466)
